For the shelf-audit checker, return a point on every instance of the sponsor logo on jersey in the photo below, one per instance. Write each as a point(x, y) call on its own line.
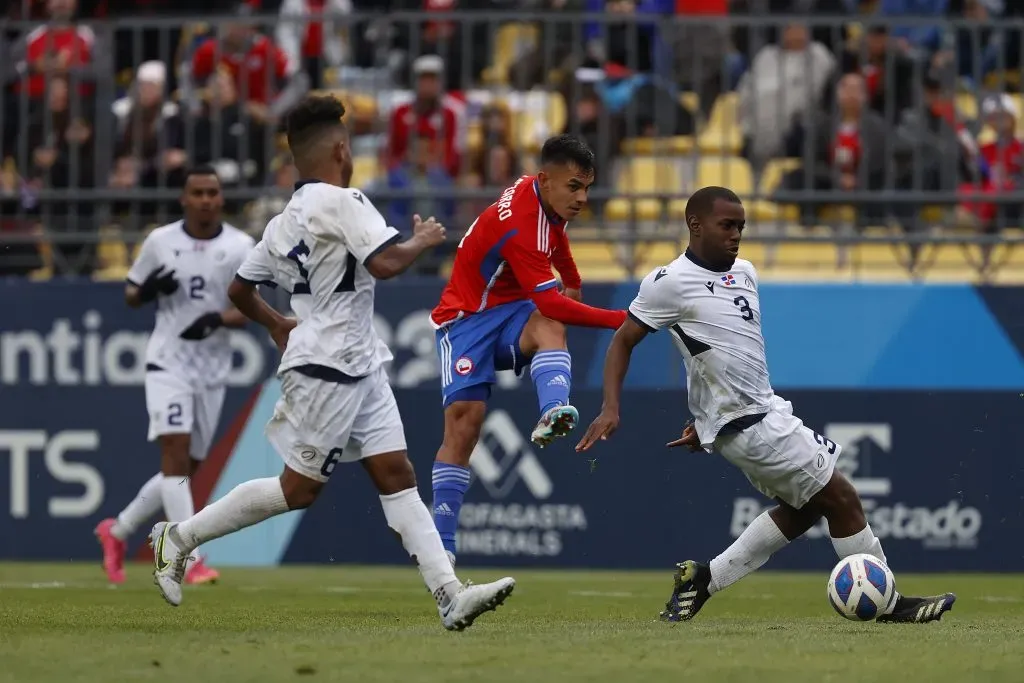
point(464, 365)
point(522, 516)
point(866, 449)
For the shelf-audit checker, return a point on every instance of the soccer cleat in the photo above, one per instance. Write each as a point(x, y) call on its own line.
point(113, 550)
point(689, 593)
point(198, 573)
point(919, 610)
point(169, 561)
point(471, 601)
point(555, 423)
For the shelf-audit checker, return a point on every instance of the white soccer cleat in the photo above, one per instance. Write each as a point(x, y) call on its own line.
point(472, 601)
point(169, 562)
point(555, 423)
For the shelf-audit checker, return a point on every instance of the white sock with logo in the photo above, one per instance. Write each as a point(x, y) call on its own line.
point(243, 506)
point(756, 544)
point(864, 541)
point(410, 518)
point(147, 502)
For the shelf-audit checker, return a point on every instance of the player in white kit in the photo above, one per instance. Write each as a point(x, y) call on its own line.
point(336, 403)
point(708, 300)
point(184, 268)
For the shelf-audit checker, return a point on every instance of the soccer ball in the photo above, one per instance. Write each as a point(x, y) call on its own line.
point(861, 587)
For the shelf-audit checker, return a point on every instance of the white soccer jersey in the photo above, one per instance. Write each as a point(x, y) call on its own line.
point(203, 269)
point(715, 321)
point(318, 246)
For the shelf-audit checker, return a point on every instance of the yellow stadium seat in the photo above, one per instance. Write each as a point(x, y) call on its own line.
point(365, 169)
point(690, 101)
point(530, 128)
point(771, 177)
point(676, 145)
point(111, 251)
point(652, 255)
point(598, 262)
point(967, 106)
point(510, 41)
point(722, 134)
point(736, 174)
point(643, 175)
point(885, 262)
point(802, 261)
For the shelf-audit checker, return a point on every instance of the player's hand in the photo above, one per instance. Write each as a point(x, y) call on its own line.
point(688, 439)
point(601, 428)
point(280, 333)
point(158, 282)
point(203, 327)
point(430, 231)
point(574, 294)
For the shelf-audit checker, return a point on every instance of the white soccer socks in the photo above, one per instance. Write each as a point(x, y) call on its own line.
point(756, 544)
point(243, 506)
point(177, 496)
point(409, 517)
point(147, 502)
point(864, 541)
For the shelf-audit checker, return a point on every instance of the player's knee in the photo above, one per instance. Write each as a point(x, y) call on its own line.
point(391, 472)
point(175, 460)
point(299, 491)
point(462, 423)
point(839, 500)
point(544, 333)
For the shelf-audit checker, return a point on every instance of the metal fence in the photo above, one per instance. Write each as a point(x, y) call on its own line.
point(846, 136)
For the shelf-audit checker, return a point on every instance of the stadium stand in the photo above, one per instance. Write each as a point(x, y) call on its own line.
point(908, 169)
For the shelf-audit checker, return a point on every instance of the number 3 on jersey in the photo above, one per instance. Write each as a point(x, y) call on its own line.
point(744, 306)
point(300, 252)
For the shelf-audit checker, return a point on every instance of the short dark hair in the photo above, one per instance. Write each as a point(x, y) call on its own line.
point(310, 119)
point(201, 169)
point(702, 202)
point(567, 150)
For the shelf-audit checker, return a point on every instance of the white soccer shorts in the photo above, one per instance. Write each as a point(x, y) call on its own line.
point(781, 457)
point(318, 424)
point(176, 406)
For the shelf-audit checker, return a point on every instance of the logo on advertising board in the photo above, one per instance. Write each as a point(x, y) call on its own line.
point(507, 469)
point(893, 513)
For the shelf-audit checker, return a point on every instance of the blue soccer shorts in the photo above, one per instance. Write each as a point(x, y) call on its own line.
point(474, 348)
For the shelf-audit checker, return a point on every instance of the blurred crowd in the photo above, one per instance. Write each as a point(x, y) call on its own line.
point(807, 100)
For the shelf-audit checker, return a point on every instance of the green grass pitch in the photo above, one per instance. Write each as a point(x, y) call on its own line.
point(61, 622)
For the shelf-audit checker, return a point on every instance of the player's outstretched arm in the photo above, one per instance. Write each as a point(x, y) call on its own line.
point(396, 258)
point(249, 303)
point(616, 363)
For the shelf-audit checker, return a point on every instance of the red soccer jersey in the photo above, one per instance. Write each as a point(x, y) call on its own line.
point(249, 70)
point(76, 42)
point(506, 256)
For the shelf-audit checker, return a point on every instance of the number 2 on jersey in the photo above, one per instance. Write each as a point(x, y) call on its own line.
point(300, 252)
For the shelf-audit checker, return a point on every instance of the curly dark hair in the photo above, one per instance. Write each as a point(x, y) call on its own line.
point(308, 121)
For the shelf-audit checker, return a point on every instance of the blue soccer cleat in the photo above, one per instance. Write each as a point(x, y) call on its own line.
point(689, 591)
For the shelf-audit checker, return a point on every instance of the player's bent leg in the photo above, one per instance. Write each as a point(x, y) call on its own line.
point(851, 534)
point(113, 533)
point(450, 476)
point(245, 505)
point(458, 605)
point(544, 341)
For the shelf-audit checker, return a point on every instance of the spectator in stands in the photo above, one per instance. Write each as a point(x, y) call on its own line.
point(785, 85)
point(283, 179)
point(886, 70)
point(920, 41)
point(1002, 168)
point(936, 151)
point(224, 137)
point(310, 39)
point(432, 115)
point(495, 163)
point(145, 153)
point(423, 173)
point(62, 158)
point(268, 82)
point(849, 151)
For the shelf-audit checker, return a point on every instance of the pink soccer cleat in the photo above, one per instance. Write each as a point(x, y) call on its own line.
point(198, 573)
point(113, 551)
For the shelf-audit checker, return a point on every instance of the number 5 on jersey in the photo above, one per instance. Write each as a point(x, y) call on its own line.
point(300, 253)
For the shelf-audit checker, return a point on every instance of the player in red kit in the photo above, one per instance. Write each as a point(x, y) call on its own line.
point(502, 310)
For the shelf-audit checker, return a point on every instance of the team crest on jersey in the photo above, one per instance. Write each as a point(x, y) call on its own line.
point(728, 280)
point(464, 365)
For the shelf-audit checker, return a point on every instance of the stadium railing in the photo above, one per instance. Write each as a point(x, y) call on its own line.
point(669, 104)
